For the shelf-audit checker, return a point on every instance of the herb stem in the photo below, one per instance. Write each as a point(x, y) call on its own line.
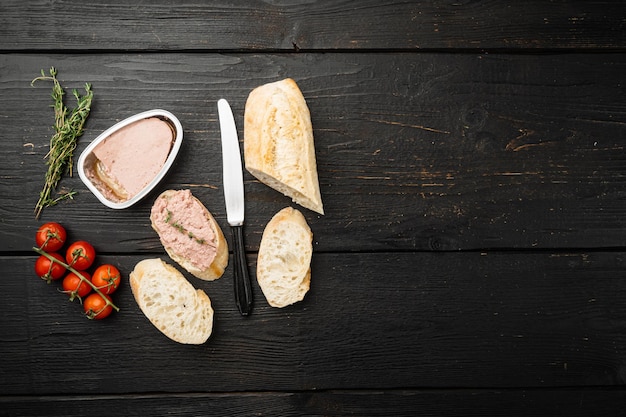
point(63, 143)
point(78, 274)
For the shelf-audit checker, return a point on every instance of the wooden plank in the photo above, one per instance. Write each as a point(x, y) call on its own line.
point(310, 25)
point(396, 403)
point(414, 151)
point(370, 321)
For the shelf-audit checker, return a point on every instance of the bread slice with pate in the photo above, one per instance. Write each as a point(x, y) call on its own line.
point(284, 259)
point(278, 142)
point(190, 234)
point(171, 303)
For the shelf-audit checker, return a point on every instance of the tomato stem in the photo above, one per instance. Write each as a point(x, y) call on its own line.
point(49, 236)
point(78, 274)
point(74, 294)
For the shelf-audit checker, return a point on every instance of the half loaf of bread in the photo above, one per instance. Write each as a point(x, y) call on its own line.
point(284, 260)
point(190, 234)
point(171, 303)
point(278, 142)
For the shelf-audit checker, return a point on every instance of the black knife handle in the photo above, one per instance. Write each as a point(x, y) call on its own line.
point(243, 289)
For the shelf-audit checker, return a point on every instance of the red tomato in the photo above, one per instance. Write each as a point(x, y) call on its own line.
point(47, 269)
point(96, 307)
point(74, 286)
point(106, 278)
point(50, 237)
point(80, 255)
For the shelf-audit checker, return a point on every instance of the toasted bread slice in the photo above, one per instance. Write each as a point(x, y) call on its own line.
point(284, 260)
point(278, 142)
point(171, 303)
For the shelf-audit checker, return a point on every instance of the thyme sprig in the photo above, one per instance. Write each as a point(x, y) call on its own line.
point(68, 128)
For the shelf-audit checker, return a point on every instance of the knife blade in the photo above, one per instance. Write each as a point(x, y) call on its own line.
point(232, 173)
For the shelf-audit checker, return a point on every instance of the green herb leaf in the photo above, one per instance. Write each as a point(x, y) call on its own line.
point(63, 143)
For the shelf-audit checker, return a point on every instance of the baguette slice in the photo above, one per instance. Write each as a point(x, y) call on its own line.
point(171, 303)
point(278, 142)
point(190, 234)
point(284, 260)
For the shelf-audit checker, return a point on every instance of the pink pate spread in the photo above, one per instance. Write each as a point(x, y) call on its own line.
point(135, 154)
point(181, 223)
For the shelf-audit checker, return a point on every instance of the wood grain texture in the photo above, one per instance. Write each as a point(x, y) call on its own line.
point(391, 403)
point(290, 25)
point(471, 159)
point(372, 322)
point(414, 151)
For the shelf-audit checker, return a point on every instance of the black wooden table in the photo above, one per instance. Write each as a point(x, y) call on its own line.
point(471, 158)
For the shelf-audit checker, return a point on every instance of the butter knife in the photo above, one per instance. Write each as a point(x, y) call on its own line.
point(235, 207)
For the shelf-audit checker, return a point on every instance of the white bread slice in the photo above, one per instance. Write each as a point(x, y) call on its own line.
point(179, 218)
point(278, 142)
point(284, 260)
point(171, 303)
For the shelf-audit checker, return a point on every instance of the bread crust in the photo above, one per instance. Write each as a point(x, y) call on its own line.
point(185, 315)
point(278, 142)
point(284, 260)
point(220, 261)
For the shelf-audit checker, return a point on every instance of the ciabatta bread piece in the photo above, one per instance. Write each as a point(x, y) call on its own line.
point(190, 234)
point(171, 303)
point(278, 142)
point(284, 260)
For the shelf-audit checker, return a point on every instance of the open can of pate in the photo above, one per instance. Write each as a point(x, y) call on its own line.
point(125, 162)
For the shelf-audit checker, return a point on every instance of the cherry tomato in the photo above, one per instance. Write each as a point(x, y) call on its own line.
point(80, 255)
point(96, 307)
point(76, 287)
point(49, 270)
point(50, 237)
point(107, 278)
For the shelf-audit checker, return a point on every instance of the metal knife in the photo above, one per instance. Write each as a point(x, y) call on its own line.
point(234, 198)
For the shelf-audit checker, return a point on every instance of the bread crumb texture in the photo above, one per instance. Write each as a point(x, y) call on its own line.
point(171, 303)
point(283, 264)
